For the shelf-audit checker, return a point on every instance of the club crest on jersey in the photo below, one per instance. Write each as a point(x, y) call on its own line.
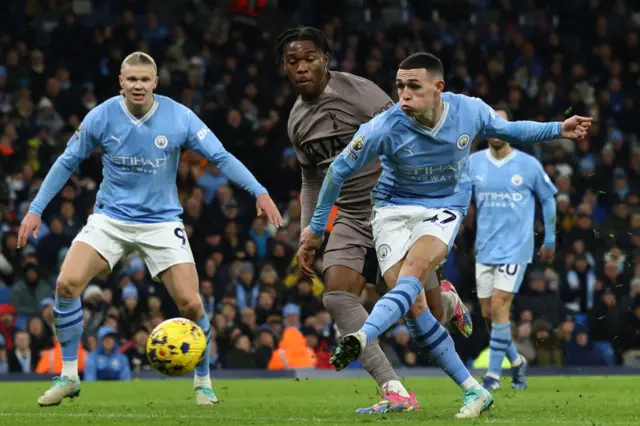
point(383, 252)
point(161, 141)
point(463, 141)
point(516, 180)
point(358, 143)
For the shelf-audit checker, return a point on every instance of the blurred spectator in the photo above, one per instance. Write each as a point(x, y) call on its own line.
point(540, 300)
point(137, 352)
point(548, 350)
point(106, 362)
point(132, 316)
point(27, 293)
point(580, 351)
point(22, 359)
point(241, 355)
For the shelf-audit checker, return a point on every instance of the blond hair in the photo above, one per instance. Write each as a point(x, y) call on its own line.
point(139, 58)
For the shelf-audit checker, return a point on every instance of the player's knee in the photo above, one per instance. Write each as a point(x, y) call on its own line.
point(339, 278)
point(68, 287)
point(191, 309)
point(420, 266)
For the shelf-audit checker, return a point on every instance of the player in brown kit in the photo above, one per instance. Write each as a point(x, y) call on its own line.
point(330, 108)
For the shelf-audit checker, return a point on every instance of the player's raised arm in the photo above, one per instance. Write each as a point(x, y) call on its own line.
point(545, 191)
point(79, 147)
point(205, 143)
point(494, 126)
point(362, 150)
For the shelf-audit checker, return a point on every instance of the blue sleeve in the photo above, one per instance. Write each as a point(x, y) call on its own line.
point(549, 218)
point(545, 191)
point(363, 149)
point(125, 372)
point(79, 147)
point(493, 125)
point(204, 142)
point(90, 372)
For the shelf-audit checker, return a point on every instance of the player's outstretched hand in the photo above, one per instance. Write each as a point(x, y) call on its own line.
point(575, 128)
point(305, 261)
point(266, 207)
point(547, 255)
point(30, 224)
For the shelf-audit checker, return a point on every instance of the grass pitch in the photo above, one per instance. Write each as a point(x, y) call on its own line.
point(587, 401)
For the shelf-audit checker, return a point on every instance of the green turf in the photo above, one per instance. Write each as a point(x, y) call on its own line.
point(550, 400)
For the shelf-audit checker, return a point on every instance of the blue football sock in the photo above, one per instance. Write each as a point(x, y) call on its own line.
point(498, 344)
point(512, 354)
point(202, 369)
point(432, 336)
point(69, 323)
point(392, 306)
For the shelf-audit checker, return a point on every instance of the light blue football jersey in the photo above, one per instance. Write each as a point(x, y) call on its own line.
point(424, 166)
point(504, 192)
point(140, 159)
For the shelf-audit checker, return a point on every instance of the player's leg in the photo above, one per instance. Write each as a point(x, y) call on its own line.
point(181, 281)
point(427, 329)
point(485, 278)
point(433, 337)
point(507, 282)
point(341, 299)
point(168, 256)
point(97, 247)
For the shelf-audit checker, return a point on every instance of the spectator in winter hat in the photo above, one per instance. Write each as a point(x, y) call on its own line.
point(291, 313)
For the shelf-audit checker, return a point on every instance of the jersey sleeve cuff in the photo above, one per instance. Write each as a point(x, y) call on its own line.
point(259, 191)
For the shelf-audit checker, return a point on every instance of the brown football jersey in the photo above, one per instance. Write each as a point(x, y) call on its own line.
point(320, 129)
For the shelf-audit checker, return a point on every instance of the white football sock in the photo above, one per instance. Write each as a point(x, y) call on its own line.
point(396, 387)
point(70, 369)
point(470, 383)
point(199, 381)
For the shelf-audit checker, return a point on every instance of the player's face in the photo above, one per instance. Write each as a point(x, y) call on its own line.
point(494, 143)
point(418, 91)
point(306, 67)
point(138, 83)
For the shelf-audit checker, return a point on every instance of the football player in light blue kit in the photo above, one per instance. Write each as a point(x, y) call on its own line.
point(505, 183)
point(137, 208)
point(422, 195)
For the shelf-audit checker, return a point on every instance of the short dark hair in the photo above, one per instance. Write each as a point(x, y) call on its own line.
point(301, 34)
point(429, 62)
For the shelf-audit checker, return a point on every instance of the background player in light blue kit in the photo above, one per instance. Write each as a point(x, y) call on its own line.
point(505, 183)
point(422, 195)
point(137, 208)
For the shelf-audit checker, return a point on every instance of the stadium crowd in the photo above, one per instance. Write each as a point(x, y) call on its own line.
point(538, 58)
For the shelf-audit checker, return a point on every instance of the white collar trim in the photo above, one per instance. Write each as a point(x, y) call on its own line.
point(503, 161)
point(434, 131)
point(144, 118)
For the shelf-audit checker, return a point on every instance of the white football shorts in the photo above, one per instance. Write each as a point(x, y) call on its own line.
point(161, 245)
point(502, 277)
point(397, 228)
